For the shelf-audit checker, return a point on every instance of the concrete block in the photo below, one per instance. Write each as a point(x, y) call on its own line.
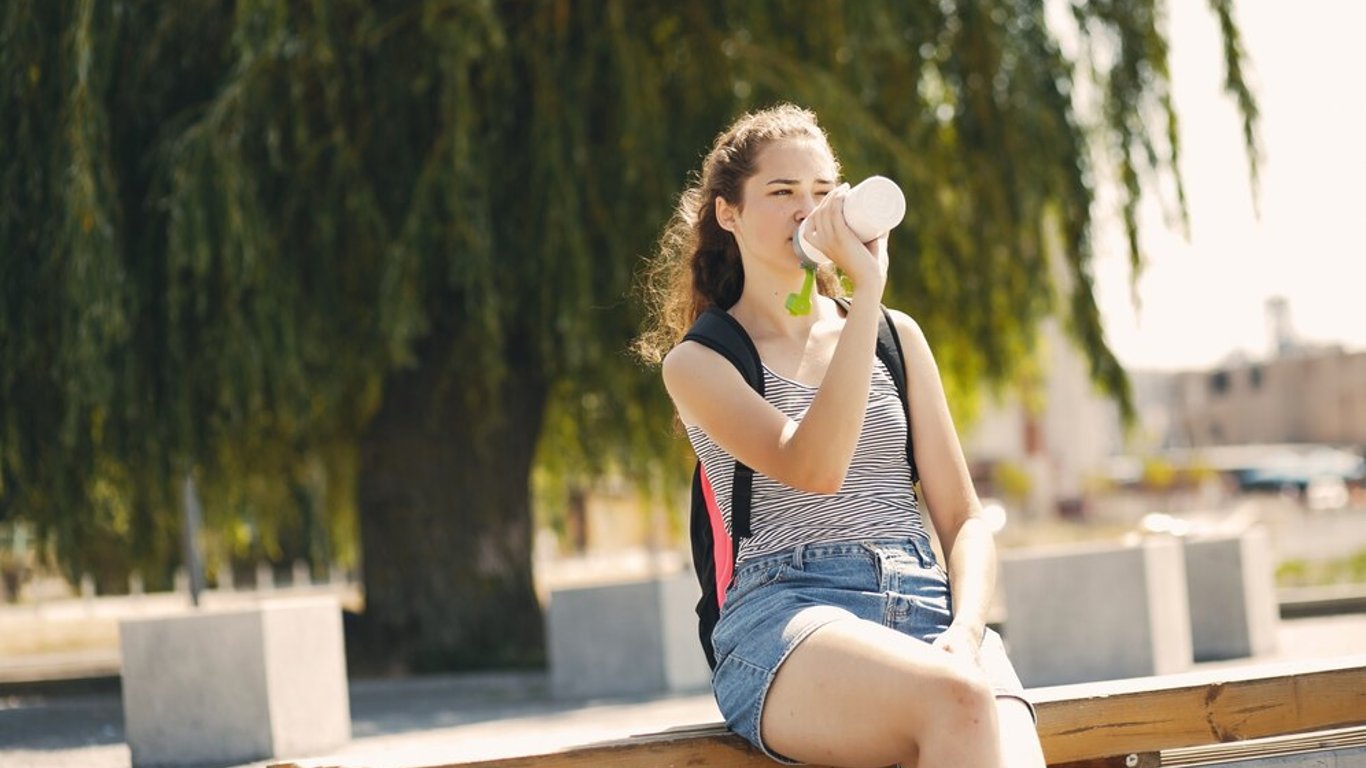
point(685, 666)
point(1097, 612)
point(219, 687)
point(626, 638)
point(1231, 583)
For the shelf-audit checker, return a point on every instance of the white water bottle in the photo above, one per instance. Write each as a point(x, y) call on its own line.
point(872, 209)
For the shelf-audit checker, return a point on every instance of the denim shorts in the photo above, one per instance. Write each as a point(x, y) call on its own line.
point(775, 601)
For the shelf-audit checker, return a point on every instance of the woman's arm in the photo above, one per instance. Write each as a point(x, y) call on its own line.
point(812, 454)
point(969, 548)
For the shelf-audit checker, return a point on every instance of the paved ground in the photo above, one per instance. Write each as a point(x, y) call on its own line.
point(415, 722)
point(444, 719)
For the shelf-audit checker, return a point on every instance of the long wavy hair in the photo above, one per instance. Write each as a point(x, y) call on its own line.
point(697, 263)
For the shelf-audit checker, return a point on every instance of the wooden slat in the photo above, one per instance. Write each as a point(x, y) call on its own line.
point(1083, 722)
point(1346, 738)
point(1082, 726)
point(710, 745)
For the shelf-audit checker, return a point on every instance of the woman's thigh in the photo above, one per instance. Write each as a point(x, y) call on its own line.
point(856, 693)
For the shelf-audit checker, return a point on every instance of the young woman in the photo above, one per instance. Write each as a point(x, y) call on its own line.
point(841, 640)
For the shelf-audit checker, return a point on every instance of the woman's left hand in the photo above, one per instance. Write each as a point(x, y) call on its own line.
point(961, 640)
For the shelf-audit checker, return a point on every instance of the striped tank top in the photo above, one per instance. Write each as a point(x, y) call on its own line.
point(876, 501)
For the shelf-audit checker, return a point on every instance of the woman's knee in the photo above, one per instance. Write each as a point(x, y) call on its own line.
point(952, 698)
point(954, 703)
point(963, 699)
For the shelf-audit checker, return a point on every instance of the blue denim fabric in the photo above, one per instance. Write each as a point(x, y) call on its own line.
point(775, 602)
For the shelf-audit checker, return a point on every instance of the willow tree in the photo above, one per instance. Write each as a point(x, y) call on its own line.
point(381, 251)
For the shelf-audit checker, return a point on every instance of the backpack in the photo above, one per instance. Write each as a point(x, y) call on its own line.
point(714, 550)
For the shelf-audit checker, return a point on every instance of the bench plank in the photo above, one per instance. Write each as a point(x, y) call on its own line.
point(1093, 725)
point(1186, 711)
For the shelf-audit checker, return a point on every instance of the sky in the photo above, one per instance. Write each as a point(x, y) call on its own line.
point(1203, 300)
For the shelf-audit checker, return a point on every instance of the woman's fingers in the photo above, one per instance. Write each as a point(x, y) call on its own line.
point(878, 248)
point(825, 222)
point(828, 231)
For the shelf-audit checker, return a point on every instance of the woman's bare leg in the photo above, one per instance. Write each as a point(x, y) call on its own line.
point(1019, 737)
point(856, 694)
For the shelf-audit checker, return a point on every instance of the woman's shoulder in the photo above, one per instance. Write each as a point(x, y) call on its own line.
point(914, 344)
point(685, 355)
point(904, 323)
point(699, 378)
point(903, 320)
point(692, 361)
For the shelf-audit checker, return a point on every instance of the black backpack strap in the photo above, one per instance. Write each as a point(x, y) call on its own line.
point(890, 353)
point(724, 335)
point(718, 331)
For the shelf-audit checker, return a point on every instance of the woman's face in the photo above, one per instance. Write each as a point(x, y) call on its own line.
point(792, 176)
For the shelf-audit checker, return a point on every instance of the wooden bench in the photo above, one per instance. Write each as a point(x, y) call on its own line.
point(1131, 723)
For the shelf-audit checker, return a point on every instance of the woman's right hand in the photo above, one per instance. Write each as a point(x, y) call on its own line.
point(864, 263)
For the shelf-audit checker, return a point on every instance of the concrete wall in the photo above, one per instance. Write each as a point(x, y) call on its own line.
point(235, 685)
point(626, 638)
point(1231, 584)
point(1097, 612)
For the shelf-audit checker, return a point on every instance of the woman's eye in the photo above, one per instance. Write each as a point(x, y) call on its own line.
point(789, 192)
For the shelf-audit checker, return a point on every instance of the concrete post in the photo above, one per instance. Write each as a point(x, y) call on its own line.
point(1231, 582)
point(626, 638)
point(1097, 612)
point(235, 685)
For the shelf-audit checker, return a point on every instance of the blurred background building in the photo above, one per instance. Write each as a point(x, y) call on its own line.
point(1293, 421)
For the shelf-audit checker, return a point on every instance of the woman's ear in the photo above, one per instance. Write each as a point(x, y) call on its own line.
point(725, 214)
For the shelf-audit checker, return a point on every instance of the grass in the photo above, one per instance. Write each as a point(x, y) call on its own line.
point(1317, 573)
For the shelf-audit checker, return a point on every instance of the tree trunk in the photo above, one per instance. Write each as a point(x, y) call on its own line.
point(446, 528)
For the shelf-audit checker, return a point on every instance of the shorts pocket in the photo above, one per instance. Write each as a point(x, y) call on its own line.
point(756, 576)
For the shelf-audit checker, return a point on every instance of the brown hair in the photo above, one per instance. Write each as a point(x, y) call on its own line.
point(697, 265)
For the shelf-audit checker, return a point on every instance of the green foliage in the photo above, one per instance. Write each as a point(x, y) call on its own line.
point(1158, 474)
point(1011, 481)
point(224, 226)
point(1350, 569)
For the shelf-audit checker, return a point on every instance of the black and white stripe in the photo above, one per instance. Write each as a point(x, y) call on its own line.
point(877, 500)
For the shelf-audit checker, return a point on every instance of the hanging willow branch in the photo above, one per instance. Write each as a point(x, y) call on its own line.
point(225, 225)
